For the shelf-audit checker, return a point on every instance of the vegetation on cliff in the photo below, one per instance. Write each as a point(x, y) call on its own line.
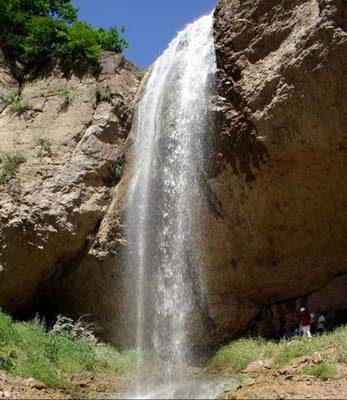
point(29, 351)
point(38, 32)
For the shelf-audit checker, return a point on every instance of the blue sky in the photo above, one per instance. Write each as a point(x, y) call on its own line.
point(150, 24)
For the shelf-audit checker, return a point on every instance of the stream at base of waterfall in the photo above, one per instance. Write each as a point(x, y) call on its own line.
point(199, 388)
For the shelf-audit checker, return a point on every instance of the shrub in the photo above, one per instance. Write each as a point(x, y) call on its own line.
point(10, 163)
point(76, 330)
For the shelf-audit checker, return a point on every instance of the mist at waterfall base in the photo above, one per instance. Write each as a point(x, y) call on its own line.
point(163, 222)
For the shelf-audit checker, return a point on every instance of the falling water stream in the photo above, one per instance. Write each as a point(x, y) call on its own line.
point(163, 218)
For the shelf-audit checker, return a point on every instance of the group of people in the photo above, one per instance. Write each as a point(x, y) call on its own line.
point(307, 325)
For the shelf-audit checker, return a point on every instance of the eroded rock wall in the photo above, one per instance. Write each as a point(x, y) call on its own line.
point(281, 167)
point(70, 134)
point(275, 184)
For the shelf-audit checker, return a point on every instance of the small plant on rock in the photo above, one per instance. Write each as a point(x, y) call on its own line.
point(45, 147)
point(9, 99)
point(67, 97)
point(10, 163)
point(19, 105)
point(116, 171)
point(102, 94)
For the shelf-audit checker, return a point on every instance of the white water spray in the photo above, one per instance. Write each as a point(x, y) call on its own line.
point(163, 219)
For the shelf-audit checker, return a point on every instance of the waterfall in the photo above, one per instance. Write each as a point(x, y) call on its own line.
point(163, 221)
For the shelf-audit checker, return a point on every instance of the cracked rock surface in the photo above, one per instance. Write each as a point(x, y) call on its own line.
point(52, 205)
point(281, 175)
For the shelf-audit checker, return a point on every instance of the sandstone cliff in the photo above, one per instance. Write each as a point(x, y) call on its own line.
point(275, 190)
point(61, 143)
point(280, 172)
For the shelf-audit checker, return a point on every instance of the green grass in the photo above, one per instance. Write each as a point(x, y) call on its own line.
point(27, 350)
point(9, 165)
point(16, 104)
point(19, 106)
point(10, 98)
point(322, 371)
point(240, 353)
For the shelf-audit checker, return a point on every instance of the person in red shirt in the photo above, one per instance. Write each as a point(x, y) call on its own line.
point(305, 322)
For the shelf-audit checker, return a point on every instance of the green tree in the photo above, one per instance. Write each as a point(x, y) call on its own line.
point(42, 41)
point(36, 32)
point(112, 40)
point(80, 44)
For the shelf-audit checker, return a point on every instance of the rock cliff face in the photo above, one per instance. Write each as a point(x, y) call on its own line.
point(280, 169)
point(276, 189)
point(61, 142)
point(276, 197)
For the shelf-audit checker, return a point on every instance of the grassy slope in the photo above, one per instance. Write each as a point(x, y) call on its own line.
point(332, 347)
point(27, 350)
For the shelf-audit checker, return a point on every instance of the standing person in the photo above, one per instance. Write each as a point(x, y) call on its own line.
point(313, 323)
point(284, 331)
point(305, 322)
point(321, 323)
point(295, 330)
